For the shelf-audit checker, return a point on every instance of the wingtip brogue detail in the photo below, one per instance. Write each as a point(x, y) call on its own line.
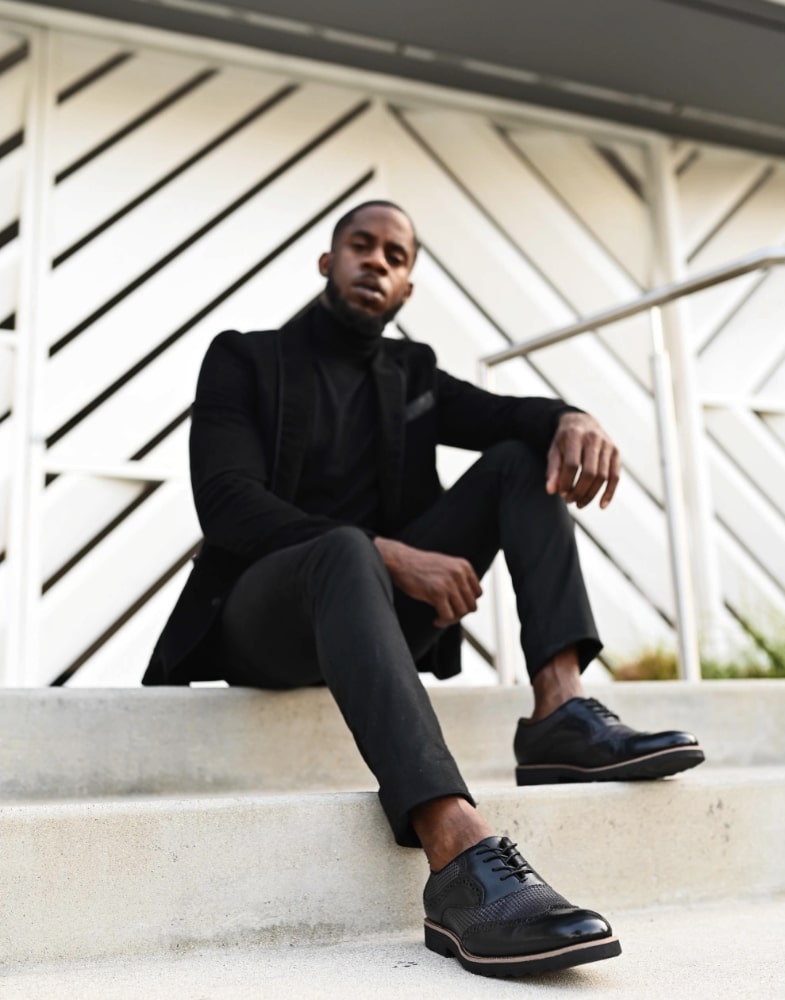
point(489, 909)
point(585, 741)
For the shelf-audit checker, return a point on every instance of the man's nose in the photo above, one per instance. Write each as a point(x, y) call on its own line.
point(375, 259)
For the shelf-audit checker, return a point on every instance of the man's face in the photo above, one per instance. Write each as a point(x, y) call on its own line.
point(368, 267)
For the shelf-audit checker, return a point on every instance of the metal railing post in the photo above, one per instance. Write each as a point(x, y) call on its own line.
point(676, 515)
point(504, 653)
point(27, 477)
point(695, 489)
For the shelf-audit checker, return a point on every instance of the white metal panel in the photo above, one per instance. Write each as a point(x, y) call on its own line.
point(514, 246)
point(9, 280)
point(6, 377)
point(5, 479)
point(440, 309)
point(776, 424)
point(617, 218)
point(752, 340)
point(553, 239)
point(749, 592)
point(513, 294)
point(158, 307)
point(9, 42)
point(122, 660)
point(111, 181)
point(14, 84)
point(710, 189)
point(774, 383)
point(94, 594)
point(758, 223)
point(94, 114)
point(108, 263)
point(557, 247)
point(753, 448)
point(11, 166)
point(625, 634)
point(632, 156)
point(76, 56)
point(135, 413)
point(754, 522)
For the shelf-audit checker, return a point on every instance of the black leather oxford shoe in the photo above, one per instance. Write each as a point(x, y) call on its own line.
point(584, 741)
point(494, 913)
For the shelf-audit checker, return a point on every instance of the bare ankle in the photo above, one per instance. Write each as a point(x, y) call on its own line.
point(446, 827)
point(556, 682)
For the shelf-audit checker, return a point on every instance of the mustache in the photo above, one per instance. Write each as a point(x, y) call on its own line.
point(363, 324)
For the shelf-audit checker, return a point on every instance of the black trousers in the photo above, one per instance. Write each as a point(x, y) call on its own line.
point(326, 611)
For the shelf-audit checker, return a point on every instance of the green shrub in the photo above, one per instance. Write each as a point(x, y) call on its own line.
point(765, 657)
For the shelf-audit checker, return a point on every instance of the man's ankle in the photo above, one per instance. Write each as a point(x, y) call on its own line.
point(446, 827)
point(556, 682)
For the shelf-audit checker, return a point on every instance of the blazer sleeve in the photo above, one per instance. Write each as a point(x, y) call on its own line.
point(469, 417)
point(230, 464)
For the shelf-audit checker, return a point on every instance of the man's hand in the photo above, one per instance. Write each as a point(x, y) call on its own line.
point(580, 460)
point(448, 583)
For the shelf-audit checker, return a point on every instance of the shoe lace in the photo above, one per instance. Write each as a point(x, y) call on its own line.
point(599, 709)
point(511, 862)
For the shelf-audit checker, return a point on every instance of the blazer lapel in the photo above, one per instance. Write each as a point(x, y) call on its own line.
point(391, 395)
point(295, 406)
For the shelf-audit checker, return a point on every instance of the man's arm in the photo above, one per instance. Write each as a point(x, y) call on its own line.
point(473, 418)
point(581, 458)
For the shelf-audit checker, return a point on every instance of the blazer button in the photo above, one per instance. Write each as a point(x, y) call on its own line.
point(215, 602)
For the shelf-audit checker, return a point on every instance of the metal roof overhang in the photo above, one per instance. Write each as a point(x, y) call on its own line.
point(710, 69)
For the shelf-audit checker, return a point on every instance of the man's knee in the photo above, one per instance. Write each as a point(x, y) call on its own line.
point(349, 554)
point(517, 458)
point(346, 546)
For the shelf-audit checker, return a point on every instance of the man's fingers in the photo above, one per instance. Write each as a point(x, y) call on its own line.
point(613, 479)
point(444, 614)
point(599, 463)
point(457, 596)
point(552, 469)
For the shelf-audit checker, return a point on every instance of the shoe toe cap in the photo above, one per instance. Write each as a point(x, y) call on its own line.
point(655, 742)
point(557, 929)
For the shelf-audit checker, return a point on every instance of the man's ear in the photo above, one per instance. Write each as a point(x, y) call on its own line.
point(325, 263)
point(408, 293)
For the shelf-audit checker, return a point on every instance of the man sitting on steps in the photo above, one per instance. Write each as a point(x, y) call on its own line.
point(332, 556)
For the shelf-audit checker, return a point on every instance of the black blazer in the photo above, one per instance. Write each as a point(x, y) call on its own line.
point(252, 417)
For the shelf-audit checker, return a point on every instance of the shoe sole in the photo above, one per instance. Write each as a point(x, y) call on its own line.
point(648, 768)
point(445, 943)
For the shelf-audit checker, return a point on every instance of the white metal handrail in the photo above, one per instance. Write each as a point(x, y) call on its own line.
point(762, 260)
point(681, 569)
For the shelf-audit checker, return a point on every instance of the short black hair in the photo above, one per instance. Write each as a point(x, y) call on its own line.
point(348, 218)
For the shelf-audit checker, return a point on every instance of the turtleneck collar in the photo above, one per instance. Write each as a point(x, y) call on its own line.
point(334, 338)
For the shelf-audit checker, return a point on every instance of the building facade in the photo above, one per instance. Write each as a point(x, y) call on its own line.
point(157, 187)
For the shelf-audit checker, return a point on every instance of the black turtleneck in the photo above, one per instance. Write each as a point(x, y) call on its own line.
point(339, 477)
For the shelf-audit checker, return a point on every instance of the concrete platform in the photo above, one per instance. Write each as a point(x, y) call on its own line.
point(81, 743)
point(727, 951)
point(170, 821)
point(134, 876)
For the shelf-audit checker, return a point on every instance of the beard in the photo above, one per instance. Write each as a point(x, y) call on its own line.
point(365, 325)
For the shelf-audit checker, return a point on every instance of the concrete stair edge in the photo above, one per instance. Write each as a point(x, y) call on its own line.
point(135, 876)
point(702, 951)
point(93, 742)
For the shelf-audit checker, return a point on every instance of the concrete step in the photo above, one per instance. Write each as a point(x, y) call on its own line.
point(61, 743)
point(128, 876)
point(702, 952)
